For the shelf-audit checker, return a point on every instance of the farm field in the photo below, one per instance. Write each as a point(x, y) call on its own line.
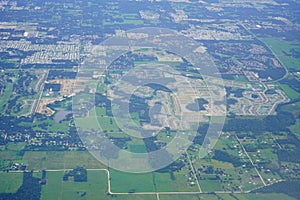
point(60, 160)
point(10, 182)
point(56, 188)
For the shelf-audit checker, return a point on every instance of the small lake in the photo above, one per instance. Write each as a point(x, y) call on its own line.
point(60, 115)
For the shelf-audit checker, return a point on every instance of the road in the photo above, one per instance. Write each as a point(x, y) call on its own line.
point(282, 64)
point(41, 90)
point(261, 178)
point(194, 172)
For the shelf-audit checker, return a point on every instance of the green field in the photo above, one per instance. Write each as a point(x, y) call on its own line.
point(188, 197)
point(150, 182)
point(10, 182)
point(270, 196)
point(18, 146)
point(280, 48)
point(295, 128)
point(137, 148)
point(56, 188)
point(134, 197)
point(12, 151)
point(126, 182)
point(164, 182)
point(210, 185)
point(241, 78)
point(92, 122)
point(291, 93)
point(96, 188)
point(52, 126)
point(60, 160)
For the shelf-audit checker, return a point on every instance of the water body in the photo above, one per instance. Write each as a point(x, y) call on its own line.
point(60, 115)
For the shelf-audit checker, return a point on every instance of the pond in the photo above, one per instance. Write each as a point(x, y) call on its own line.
point(60, 115)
